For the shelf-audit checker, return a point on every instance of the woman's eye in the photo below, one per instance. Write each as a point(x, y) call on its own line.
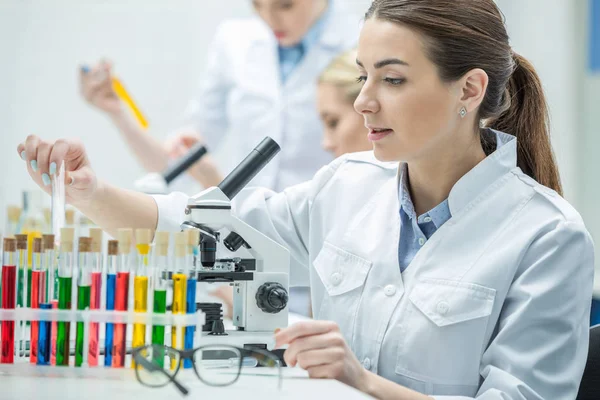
point(394, 81)
point(332, 124)
point(361, 79)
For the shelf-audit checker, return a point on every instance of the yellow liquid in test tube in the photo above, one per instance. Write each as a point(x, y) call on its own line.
point(31, 234)
point(140, 298)
point(126, 98)
point(178, 307)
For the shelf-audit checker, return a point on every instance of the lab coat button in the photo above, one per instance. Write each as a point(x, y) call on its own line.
point(336, 278)
point(443, 307)
point(367, 363)
point(389, 290)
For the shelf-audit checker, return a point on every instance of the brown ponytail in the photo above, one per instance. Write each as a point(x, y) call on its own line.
point(526, 117)
point(462, 35)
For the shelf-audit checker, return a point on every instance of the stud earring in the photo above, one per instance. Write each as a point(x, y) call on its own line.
point(463, 112)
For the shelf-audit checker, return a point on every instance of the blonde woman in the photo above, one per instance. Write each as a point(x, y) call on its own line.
point(344, 130)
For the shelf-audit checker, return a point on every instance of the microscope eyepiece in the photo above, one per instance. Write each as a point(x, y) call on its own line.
point(249, 167)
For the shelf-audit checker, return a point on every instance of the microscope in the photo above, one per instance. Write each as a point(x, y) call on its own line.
point(260, 284)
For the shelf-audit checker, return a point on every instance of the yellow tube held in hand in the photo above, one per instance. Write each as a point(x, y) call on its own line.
point(126, 98)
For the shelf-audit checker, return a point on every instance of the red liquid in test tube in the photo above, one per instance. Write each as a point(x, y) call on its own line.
point(94, 328)
point(120, 335)
point(9, 299)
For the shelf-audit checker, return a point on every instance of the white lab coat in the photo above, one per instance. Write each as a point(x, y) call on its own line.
point(495, 305)
point(241, 96)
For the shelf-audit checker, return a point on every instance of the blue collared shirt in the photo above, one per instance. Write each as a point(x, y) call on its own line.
point(290, 57)
point(415, 231)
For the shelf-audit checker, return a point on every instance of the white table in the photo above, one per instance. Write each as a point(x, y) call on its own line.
point(20, 382)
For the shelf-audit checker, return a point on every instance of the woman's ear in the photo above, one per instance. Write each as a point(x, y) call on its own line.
point(474, 84)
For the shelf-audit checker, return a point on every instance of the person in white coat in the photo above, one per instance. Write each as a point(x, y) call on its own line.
point(444, 264)
point(260, 79)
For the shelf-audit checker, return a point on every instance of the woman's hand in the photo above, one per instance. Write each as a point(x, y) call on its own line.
point(180, 143)
point(97, 88)
point(44, 158)
point(319, 348)
point(205, 170)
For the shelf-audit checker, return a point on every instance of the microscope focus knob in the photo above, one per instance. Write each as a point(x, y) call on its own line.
point(271, 297)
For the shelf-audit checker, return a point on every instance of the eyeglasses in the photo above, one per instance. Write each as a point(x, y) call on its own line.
point(215, 365)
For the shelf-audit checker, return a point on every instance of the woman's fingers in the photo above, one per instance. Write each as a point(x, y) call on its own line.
point(327, 340)
point(304, 328)
point(31, 148)
point(327, 371)
point(312, 358)
point(43, 155)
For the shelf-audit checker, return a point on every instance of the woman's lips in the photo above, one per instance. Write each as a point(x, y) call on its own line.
point(375, 135)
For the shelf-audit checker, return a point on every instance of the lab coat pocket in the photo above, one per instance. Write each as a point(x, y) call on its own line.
point(442, 338)
point(343, 275)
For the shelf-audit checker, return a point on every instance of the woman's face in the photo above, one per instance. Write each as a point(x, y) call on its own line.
point(409, 111)
point(289, 19)
point(344, 129)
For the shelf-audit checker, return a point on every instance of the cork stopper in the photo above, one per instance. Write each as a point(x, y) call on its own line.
point(48, 242)
point(69, 217)
point(180, 244)
point(37, 245)
point(143, 236)
point(193, 236)
point(161, 243)
point(10, 244)
point(85, 244)
point(21, 241)
point(124, 236)
point(66, 239)
point(14, 213)
point(113, 247)
point(96, 235)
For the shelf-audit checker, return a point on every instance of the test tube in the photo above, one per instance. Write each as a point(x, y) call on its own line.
point(52, 262)
point(140, 285)
point(38, 294)
point(9, 299)
point(193, 240)
point(160, 283)
point(65, 283)
point(49, 263)
point(22, 268)
point(47, 329)
point(44, 338)
point(96, 293)
point(179, 289)
point(112, 266)
point(84, 288)
point(122, 296)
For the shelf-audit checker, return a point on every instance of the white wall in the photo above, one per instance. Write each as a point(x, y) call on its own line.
point(158, 48)
point(589, 114)
point(544, 31)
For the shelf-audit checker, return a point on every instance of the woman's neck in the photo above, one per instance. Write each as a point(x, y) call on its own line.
point(431, 180)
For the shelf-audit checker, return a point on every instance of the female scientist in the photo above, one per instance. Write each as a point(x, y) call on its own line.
point(444, 263)
point(260, 78)
point(343, 128)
